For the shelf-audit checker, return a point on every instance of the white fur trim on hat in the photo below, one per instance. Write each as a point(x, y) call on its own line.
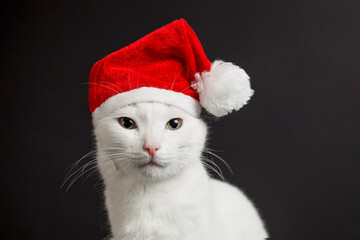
point(146, 94)
point(226, 87)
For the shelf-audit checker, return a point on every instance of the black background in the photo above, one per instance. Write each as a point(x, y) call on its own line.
point(294, 149)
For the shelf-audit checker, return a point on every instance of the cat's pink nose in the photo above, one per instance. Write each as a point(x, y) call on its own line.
point(151, 149)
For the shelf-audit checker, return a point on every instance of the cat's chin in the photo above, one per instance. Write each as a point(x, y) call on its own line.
point(152, 162)
point(152, 172)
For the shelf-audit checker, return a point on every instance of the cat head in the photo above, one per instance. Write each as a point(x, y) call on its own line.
point(148, 141)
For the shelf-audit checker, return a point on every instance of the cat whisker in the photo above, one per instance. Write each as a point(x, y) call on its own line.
point(213, 169)
point(81, 174)
point(81, 171)
point(95, 185)
point(137, 81)
point(69, 175)
point(124, 170)
point(221, 159)
point(182, 69)
point(117, 87)
point(122, 150)
point(121, 168)
point(96, 169)
point(101, 85)
point(74, 180)
point(84, 166)
point(76, 163)
point(185, 88)
point(214, 164)
point(213, 150)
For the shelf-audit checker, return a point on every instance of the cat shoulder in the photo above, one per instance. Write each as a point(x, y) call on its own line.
point(233, 206)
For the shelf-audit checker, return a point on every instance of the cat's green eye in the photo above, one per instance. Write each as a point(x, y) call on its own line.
point(127, 123)
point(174, 124)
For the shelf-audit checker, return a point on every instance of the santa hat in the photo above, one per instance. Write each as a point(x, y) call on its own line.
point(167, 66)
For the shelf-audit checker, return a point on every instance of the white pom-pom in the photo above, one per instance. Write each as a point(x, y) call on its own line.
point(226, 87)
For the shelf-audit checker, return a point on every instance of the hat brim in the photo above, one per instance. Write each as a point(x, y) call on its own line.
point(146, 94)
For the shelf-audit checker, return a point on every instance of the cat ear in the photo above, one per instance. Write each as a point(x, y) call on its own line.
point(226, 87)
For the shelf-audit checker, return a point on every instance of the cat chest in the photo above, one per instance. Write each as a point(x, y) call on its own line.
point(159, 219)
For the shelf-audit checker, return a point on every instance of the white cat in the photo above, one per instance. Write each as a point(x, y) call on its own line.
point(156, 186)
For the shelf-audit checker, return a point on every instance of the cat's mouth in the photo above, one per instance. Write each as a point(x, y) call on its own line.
point(150, 163)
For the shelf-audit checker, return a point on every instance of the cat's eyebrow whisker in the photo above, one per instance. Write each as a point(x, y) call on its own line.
point(175, 77)
point(185, 88)
point(117, 87)
point(221, 159)
point(182, 69)
point(98, 84)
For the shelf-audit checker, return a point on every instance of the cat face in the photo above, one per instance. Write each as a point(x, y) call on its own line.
point(149, 141)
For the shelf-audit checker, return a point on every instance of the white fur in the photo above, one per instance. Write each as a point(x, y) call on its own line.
point(177, 202)
point(226, 87)
point(145, 94)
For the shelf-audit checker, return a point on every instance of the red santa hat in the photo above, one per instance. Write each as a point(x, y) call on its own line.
point(167, 66)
